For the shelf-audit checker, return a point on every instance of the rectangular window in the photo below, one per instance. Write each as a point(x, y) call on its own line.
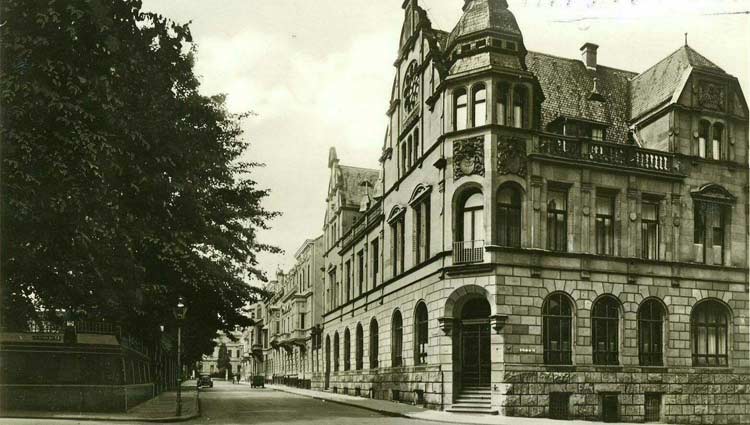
point(650, 230)
point(597, 133)
point(422, 231)
point(302, 321)
point(397, 244)
point(559, 405)
point(610, 407)
point(605, 229)
point(710, 221)
point(557, 220)
point(375, 262)
point(653, 407)
point(348, 271)
point(361, 271)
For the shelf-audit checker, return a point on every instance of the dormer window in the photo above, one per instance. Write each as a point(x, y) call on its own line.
point(479, 105)
point(510, 45)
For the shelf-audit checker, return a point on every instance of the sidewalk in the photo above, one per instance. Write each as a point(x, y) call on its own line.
point(390, 408)
point(161, 408)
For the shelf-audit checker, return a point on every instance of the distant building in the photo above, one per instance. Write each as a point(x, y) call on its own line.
point(209, 364)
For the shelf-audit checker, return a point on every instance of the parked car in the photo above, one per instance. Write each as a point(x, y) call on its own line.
point(205, 381)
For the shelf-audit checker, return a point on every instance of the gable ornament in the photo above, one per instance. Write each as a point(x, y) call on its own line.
point(711, 96)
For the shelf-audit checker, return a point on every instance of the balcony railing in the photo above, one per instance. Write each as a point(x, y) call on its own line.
point(607, 153)
point(468, 252)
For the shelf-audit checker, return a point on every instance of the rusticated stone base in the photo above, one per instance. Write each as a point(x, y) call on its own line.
point(688, 395)
point(421, 385)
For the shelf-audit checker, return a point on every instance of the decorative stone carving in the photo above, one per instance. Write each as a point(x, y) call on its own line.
point(468, 157)
point(446, 324)
point(498, 322)
point(711, 96)
point(511, 156)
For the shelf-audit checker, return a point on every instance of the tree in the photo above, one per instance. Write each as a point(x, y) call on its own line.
point(223, 362)
point(123, 187)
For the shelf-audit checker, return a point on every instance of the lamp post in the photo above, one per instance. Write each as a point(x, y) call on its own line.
point(179, 313)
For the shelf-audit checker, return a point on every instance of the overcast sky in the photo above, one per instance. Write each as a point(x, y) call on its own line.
point(317, 73)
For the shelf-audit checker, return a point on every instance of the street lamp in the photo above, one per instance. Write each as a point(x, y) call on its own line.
point(180, 311)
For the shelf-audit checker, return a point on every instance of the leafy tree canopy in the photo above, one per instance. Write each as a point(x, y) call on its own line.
point(122, 186)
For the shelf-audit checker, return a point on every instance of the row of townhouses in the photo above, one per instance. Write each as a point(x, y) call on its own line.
point(543, 237)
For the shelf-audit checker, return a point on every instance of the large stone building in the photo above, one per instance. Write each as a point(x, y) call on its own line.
point(284, 342)
point(544, 236)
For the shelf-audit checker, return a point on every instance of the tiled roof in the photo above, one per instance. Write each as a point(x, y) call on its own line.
point(567, 84)
point(658, 84)
point(483, 15)
point(351, 187)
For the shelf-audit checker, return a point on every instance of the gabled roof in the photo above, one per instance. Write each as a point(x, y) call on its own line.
point(660, 83)
point(567, 86)
point(350, 183)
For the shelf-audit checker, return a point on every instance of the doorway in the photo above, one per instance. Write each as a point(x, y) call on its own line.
point(474, 345)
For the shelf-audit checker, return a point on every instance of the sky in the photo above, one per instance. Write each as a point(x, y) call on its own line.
point(318, 73)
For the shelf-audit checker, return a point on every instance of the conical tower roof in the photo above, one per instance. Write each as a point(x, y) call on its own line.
point(485, 15)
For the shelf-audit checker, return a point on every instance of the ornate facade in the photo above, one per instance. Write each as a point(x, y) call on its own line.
point(544, 237)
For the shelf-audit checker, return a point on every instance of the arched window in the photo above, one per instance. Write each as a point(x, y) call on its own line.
point(703, 128)
point(650, 333)
point(557, 330)
point(471, 226)
point(479, 105)
point(469, 245)
point(459, 109)
point(519, 106)
point(605, 326)
point(360, 349)
point(374, 344)
point(501, 109)
point(421, 330)
point(709, 325)
point(509, 216)
point(717, 135)
point(336, 352)
point(397, 340)
point(347, 350)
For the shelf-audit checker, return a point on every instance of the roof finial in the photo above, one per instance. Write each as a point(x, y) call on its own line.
point(686, 39)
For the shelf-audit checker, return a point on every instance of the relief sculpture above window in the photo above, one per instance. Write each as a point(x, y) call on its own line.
point(511, 156)
point(468, 157)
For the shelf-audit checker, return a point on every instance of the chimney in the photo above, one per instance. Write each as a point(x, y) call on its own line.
point(588, 55)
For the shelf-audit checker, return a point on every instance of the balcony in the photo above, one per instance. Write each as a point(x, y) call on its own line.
point(608, 153)
point(467, 252)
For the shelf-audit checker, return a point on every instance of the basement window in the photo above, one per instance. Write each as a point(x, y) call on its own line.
point(559, 405)
point(610, 407)
point(653, 407)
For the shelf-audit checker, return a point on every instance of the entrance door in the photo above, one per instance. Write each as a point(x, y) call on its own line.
point(474, 343)
point(475, 352)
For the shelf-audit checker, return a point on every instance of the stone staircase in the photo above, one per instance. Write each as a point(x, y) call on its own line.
point(474, 399)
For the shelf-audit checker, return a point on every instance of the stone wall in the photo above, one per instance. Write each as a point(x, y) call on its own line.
point(405, 384)
point(688, 395)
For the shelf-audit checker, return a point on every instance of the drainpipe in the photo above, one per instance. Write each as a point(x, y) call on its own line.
point(442, 390)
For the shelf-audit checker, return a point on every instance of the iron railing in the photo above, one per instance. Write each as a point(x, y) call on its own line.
point(468, 252)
